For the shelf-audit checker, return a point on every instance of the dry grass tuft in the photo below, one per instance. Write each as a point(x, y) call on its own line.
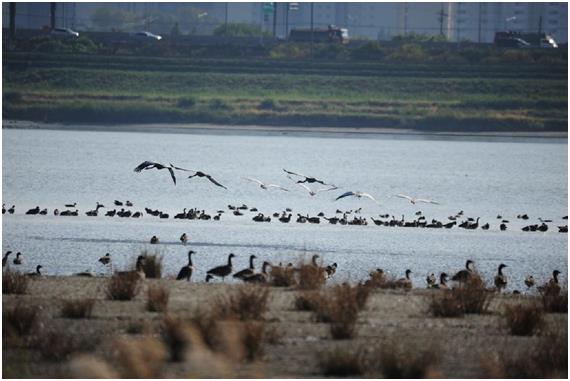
point(177, 337)
point(310, 277)
point(14, 283)
point(446, 304)
point(59, 346)
point(282, 277)
point(307, 300)
point(123, 286)
point(21, 320)
point(342, 363)
point(474, 296)
point(152, 265)
point(523, 320)
point(157, 298)
point(140, 358)
point(553, 299)
point(78, 308)
point(246, 302)
point(407, 360)
point(89, 367)
point(253, 339)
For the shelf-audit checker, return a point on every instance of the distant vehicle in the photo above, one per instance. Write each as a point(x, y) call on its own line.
point(524, 40)
point(63, 32)
point(331, 34)
point(147, 36)
point(513, 43)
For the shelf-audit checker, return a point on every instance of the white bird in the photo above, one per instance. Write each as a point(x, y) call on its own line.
point(357, 194)
point(314, 192)
point(262, 185)
point(413, 200)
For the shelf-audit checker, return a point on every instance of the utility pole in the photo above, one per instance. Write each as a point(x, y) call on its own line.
point(274, 19)
point(12, 20)
point(52, 9)
point(312, 29)
point(479, 28)
point(442, 14)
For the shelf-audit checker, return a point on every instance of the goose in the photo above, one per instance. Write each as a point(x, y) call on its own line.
point(413, 200)
point(405, 282)
point(202, 174)
point(208, 278)
point(137, 215)
point(474, 225)
point(431, 280)
point(529, 281)
point(36, 273)
point(12, 209)
point(154, 240)
point(3, 208)
point(71, 205)
point(464, 275)
point(503, 227)
point(285, 219)
point(500, 278)
point(523, 216)
point(18, 259)
point(181, 216)
point(485, 227)
point(150, 165)
point(552, 285)
point(95, 211)
point(563, 229)
point(106, 259)
point(184, 238)
point(442, 282)
point(307, 179)
point(450, 224)
point(44, 211)
point(33, 211)
point(131, 204)
point(118, 203)
point(5, 258)
point(139, 269)
point(358, 195)
point(330, 270)
point(264, 186)
point(261, 277)
point(224, 270)
point(314, 260)
point(186, 271)
point(315, 192)
point(543, 227)
point(246, 272)
point(111, 213)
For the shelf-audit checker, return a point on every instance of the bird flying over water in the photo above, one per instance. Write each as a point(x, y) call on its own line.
point(357, 194)
point(314, 192)
point(414, 200)
point(150, 165)
point(262, 185)
point(308, 179)
point(202, 174)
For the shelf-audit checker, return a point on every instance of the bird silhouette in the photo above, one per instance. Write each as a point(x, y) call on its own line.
point(262, 185)
point(358, 195)
point(202, 174)
point(150, 165)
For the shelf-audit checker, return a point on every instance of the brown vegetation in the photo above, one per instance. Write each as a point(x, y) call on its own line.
point(342, 363)
point(123, 286)
point(140, 358)
point(157, 298)
point(152, 265)
point(401, 360)
point(14, 283)
point(58, 346)
point(77, 308)
point(446, 304)
point(523, 320)
point(553, 299)
point(282, 277)
point(310, 277)
point(471, 297)
point(21, 320)
point(246, 302)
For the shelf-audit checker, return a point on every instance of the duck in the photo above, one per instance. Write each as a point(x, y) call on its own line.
point(529, 281)
point(246, 272)
point(129, 203)
point(106, 259)
point(563, 229)
point(12, 209)
point(500, 278)
point(5, 258)
point(118, 203)
point(261, 277)
point(464, 275)
point(184, 238)
point(18, 259)
point(431, 280)
point(503, 227)
point(224, 270)
point(186, 271)
point(35, 273)
point(34, 211)
point(154, 240)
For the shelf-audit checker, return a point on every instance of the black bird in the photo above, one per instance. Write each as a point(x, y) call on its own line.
point(3, 208)
point(37, 272)
point(118, 203)
point(500, 278)
point(18, 259)
point(71, 205)
point(154, 240)
point(186, 271)
point(12, 209)
point(35, 210)
point(246, 272)
point(202, 174)
point(308, 179)
point(150, 165)
point(464, 275)
point(5, 258)
point(224, 270)
point(105, 259)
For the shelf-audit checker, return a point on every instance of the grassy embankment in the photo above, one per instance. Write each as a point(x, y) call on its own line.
point(103, 89)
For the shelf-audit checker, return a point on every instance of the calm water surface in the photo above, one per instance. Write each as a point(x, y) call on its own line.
point(482, 178)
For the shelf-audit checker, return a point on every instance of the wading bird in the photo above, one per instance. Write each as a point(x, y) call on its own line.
point(262, 185)
point(202, 174)
point(357, 194)
point(308, 179)
point(413, 200)
point(150, 165)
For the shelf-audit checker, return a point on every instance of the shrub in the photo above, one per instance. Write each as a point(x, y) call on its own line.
point(282, 277)
point(401, 361)
point(14, 283)
point(77, 309)
point(142, 358)
point(307, 301)
point(523, 320)
point(175, 335)
point(123, 286)
point(553, 300)
point(247, 302)
point(369, 51)
point(473, 296)
point(22, 319)
point(186, 102)
point(342, 363)
point(253, 335)
point(157, 299)
point(58, 346)
point(446, 304)
point(152, 266)
point(310, 277)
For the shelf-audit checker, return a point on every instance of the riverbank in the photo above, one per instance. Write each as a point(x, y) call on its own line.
point(122, 336)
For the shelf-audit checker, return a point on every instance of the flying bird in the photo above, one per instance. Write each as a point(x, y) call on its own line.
point(262, 185)
point(413, 200)
point(357, 194)
point(202, 174)
point(308, 179)
point(150, 165)
point(314, 192)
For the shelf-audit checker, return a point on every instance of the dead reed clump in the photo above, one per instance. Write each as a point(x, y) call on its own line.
point(377, 279)
point(246, 302)
point(342, 363)
point(152, 265)
point(140, 358)
point(14, 283)
point(310, 277)
point(123, 286)
point(77, 309)
point(307, 300)
point(59, 346)
point(408, 360)
point(446, 304)
point(157, 299)
point(253, 339)
point(88, 367)
point(523, 320)
point(282, 277)
point(473, 296)
point(21, 320)
point(553, 300)
point(177, 337)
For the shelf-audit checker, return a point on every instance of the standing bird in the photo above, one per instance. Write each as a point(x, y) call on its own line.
point(150, 165)
point(5, 258)
point(261, 277)
point(202, 174)
point(264, 186)
point(413, 200)
point(106, 259)
point(224, 270)
point(529, 281)
point(357, 194)
point(314, 192)
point(307, 179)
point(464, 275)
point(246, 272)
point(500, 278)
point(18, 259)
point(186, 271)
point(184, 238)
